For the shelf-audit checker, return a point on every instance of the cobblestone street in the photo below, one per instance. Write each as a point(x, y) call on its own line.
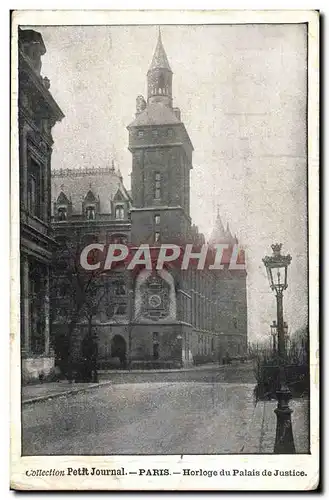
point(204, 415)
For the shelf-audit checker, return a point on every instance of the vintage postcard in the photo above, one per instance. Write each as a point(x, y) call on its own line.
point(165, 243)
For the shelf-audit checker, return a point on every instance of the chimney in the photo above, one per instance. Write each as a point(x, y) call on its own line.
point(177, 113)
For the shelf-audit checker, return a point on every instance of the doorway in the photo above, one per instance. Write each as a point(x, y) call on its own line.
point(119, 349)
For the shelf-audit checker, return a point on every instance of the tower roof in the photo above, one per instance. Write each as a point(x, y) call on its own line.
point(160, 59)
point(155, 114)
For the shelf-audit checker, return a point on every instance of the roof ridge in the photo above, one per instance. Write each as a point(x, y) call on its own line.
point(61, 172)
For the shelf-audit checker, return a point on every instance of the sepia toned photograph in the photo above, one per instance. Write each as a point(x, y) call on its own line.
point(163, 201)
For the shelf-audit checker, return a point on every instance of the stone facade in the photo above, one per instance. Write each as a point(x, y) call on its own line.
point(38, 113)
point(169, 316)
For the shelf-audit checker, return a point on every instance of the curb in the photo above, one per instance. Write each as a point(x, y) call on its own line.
point(170, 370)
point(64, 393)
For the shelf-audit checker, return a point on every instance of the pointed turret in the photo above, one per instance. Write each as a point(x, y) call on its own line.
point(228, 232)
point(218, 234)
point(119, 174)
point(159, 77)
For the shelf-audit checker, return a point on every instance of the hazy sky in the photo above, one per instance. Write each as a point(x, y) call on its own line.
point(242, 94)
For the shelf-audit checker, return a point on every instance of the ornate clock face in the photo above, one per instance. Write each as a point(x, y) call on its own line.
point(154, 300)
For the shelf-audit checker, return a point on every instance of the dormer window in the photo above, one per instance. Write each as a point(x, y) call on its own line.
point(62, 213)
point(90, 206)
point(63, 206)
point(91, 213)
point(119, 212)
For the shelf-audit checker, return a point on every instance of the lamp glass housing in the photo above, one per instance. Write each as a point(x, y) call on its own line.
point(277, 269)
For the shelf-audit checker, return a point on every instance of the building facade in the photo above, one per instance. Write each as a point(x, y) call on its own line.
point(169, 316)
point(38, 113)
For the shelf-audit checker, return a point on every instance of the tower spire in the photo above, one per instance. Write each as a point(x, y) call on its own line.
point(159, 60)
point(159, 76)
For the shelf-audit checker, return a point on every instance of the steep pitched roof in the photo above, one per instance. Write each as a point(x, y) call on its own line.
point(160, 59)
point(102, 183)
point(155, 114)
point(62, 199)
point(90, 196)
point(118, 196)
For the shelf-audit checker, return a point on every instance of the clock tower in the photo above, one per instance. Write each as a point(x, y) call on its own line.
point(161, 161)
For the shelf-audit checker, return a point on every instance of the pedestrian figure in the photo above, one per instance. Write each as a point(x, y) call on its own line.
point(123, 359)
point(94, 359)
point(89, 351)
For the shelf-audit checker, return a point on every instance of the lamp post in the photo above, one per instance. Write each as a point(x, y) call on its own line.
point(286, 338)
point(277, 268)
point(274, 333)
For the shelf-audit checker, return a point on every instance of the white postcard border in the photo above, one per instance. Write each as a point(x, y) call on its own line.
point(308, 463)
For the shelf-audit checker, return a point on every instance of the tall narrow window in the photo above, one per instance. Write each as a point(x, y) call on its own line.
point(91, 213)
point(35, 197)
point(62, 213)
point(157, 220)
point(156, 237)
point(119, 287)
point(119, 212)
point(157, 193)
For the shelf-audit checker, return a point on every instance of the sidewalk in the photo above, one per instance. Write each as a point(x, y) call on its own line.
point(40, 392)
point(300, 426)
point(261, 436)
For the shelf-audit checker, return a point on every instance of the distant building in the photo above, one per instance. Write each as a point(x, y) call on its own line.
point(174, 316)
point(38, 113)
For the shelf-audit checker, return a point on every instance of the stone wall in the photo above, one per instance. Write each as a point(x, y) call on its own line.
point(35, 368)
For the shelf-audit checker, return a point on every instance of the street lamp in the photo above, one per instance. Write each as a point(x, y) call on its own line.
point(274, 332)
point(277, 268)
